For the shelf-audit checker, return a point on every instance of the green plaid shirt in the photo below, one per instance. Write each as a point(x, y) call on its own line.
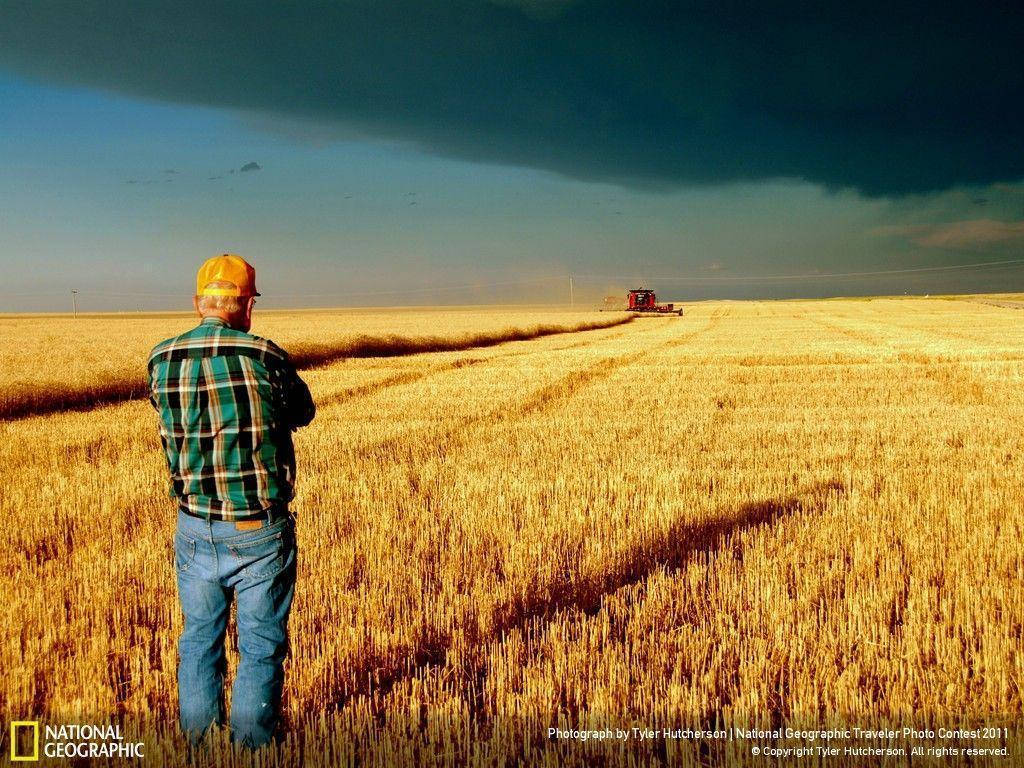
point(228, 402)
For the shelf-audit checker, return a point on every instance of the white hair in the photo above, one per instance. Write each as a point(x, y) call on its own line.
point(229, 304)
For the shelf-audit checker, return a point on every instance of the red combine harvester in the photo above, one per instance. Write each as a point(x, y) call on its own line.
point(644, 301)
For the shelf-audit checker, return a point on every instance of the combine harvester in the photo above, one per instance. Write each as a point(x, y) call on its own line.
point(644, 302)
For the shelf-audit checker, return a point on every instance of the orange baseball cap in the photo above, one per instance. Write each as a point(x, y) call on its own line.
point(228, 267)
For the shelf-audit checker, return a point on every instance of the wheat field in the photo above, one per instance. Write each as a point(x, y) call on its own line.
point(757, 515)
point(54, 363)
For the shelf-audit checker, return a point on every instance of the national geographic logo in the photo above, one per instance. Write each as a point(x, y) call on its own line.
point(70, 742)
point(19, 731)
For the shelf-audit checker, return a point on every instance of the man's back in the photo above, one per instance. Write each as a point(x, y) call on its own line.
point(227, 402)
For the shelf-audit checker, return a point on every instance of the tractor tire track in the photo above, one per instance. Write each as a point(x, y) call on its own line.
point(563, 388)
point(410, 377)
point(858, 336)
point(713, 322)
point(952, 380)
point(397, 380)
point(937, 334)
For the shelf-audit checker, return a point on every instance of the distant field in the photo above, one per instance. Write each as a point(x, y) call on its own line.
point(50, 363)
point(756, 515)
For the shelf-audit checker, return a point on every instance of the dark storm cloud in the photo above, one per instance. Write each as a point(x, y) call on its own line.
point(886, 98)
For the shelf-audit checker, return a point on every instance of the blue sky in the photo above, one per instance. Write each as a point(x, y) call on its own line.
point(120, 194)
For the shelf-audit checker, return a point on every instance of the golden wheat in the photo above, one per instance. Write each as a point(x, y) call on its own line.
point(756, 515)
point(44, 369)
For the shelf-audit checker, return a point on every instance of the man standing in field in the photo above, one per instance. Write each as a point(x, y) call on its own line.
point(228, 402)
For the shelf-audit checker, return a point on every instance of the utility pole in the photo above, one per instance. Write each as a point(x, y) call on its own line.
point(74, 301)
point(571, 300)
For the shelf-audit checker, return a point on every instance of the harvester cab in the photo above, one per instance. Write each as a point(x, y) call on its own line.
point(644, 301)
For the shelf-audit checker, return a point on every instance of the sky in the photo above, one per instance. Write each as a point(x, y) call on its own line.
point(475, 151)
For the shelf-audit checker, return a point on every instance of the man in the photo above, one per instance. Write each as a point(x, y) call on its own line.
point(228, 402)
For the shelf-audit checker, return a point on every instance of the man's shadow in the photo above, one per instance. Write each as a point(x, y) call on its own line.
point(674, 549)
point(680, 544)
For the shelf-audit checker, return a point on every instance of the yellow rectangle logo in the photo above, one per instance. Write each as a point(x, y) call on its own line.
point(34, 725)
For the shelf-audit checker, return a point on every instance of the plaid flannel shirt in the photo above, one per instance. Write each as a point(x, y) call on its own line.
point(228, 402)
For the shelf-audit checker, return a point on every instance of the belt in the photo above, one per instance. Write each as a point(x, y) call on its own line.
point(270, 514)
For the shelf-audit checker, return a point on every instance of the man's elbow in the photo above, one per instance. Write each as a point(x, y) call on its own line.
point(304, 416)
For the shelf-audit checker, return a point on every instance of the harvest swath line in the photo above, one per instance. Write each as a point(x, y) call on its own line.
point(408, 377)
point(941, 335)
point(858, 336)
point(305, 356)
point(558, 390)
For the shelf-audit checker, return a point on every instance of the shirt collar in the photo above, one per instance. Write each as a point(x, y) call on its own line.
point(214, 320)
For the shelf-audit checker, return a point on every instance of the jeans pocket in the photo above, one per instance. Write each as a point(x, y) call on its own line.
point(264, 555)
point(184, 552)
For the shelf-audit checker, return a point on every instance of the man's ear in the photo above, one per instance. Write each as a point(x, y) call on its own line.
point(195, 304)
point(249, 305)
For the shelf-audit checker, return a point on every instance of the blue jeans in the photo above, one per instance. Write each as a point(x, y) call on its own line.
point(214, 560)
